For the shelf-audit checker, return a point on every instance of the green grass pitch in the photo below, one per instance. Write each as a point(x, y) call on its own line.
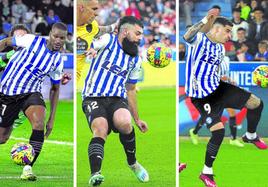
point(54, 166)
point(155, 149)
point(233, 167)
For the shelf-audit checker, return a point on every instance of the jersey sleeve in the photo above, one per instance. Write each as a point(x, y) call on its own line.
point(196, 38)
point(101, 42)
point(23, 41)
point(56, 75)
point(134, 74)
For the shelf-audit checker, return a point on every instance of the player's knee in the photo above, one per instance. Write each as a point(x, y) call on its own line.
point(126, 128)
point(254, 102)
point(99, 132)
point(99, 128)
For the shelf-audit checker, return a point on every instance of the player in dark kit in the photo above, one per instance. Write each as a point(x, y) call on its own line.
point(210, 95)
point(21, 84)
point(109, 95)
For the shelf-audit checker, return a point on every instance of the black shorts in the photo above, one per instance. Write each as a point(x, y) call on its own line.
point(225, 96)
point(10, 106)
point(95, 107)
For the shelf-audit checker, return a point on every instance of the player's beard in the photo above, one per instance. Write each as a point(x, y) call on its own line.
point(129, 47)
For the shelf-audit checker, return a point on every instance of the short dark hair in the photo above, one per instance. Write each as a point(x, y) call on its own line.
point(236, 10)
point(241, 29)
point(216, 6)
point(59, 25)
point(258, 9)
point(130, 20)
point(245, 1)
point(19, 27)
point(263, 43)
point(223, 21)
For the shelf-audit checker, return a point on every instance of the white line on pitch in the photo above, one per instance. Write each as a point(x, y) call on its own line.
point(39, 177)
point(46, 141)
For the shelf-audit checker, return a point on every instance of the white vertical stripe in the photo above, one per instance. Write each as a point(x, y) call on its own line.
point(207, 75)
point(16, 76)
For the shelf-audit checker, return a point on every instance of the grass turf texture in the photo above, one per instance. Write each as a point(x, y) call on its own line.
point(155, 149)
point(54, 166)
point(233, 166)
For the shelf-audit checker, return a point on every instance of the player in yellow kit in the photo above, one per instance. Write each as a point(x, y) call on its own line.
point(87, 29)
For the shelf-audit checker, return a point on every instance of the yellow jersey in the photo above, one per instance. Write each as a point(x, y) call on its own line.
point(85, 36)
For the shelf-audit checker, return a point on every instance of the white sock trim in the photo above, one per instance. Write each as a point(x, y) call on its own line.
point(251, 136)
point(207, 170)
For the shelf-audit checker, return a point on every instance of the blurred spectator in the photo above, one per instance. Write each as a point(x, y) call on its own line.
point(60, 10)
point(45, 6)
point(69, 43)
point(238, 23)
point(113, 18)
point(182, 50)
point(167, 7)
point(142, 9)
point(158, 25)
point(133, 11)
point(217, 8)
point(159, 6)
point(66, 3)
point(241, 38)
point(18, 10)
point(258, 28)
point(245, 8)
point(6, 11)
point(187, 8)
point(264, 5)
point(230, 50)
point(262, 54)
point(39, 24)
point(254, 4)
point(243, 54)
point(69, 18)
point(51, 18)
point(164, 28)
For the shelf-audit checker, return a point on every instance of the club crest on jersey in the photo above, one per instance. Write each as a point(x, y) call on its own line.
point(113, 68)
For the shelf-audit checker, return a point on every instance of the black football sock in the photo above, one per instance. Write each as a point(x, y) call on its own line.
point(198, 126)
point(129, 143)
point(253, 118)
point(213, 146)
point(233, 130)
point(96, 154)
point(36, 141)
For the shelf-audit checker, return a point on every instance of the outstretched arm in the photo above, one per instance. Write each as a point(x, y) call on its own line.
point(132, 101)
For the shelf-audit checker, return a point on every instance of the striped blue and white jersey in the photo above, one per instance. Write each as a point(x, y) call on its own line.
point(224, 67)
point(111, 69)
point(28, 67)
point(202, 66)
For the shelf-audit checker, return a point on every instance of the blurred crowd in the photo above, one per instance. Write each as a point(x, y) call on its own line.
point(38, 16)
point(158, 17)
point(249, 34)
